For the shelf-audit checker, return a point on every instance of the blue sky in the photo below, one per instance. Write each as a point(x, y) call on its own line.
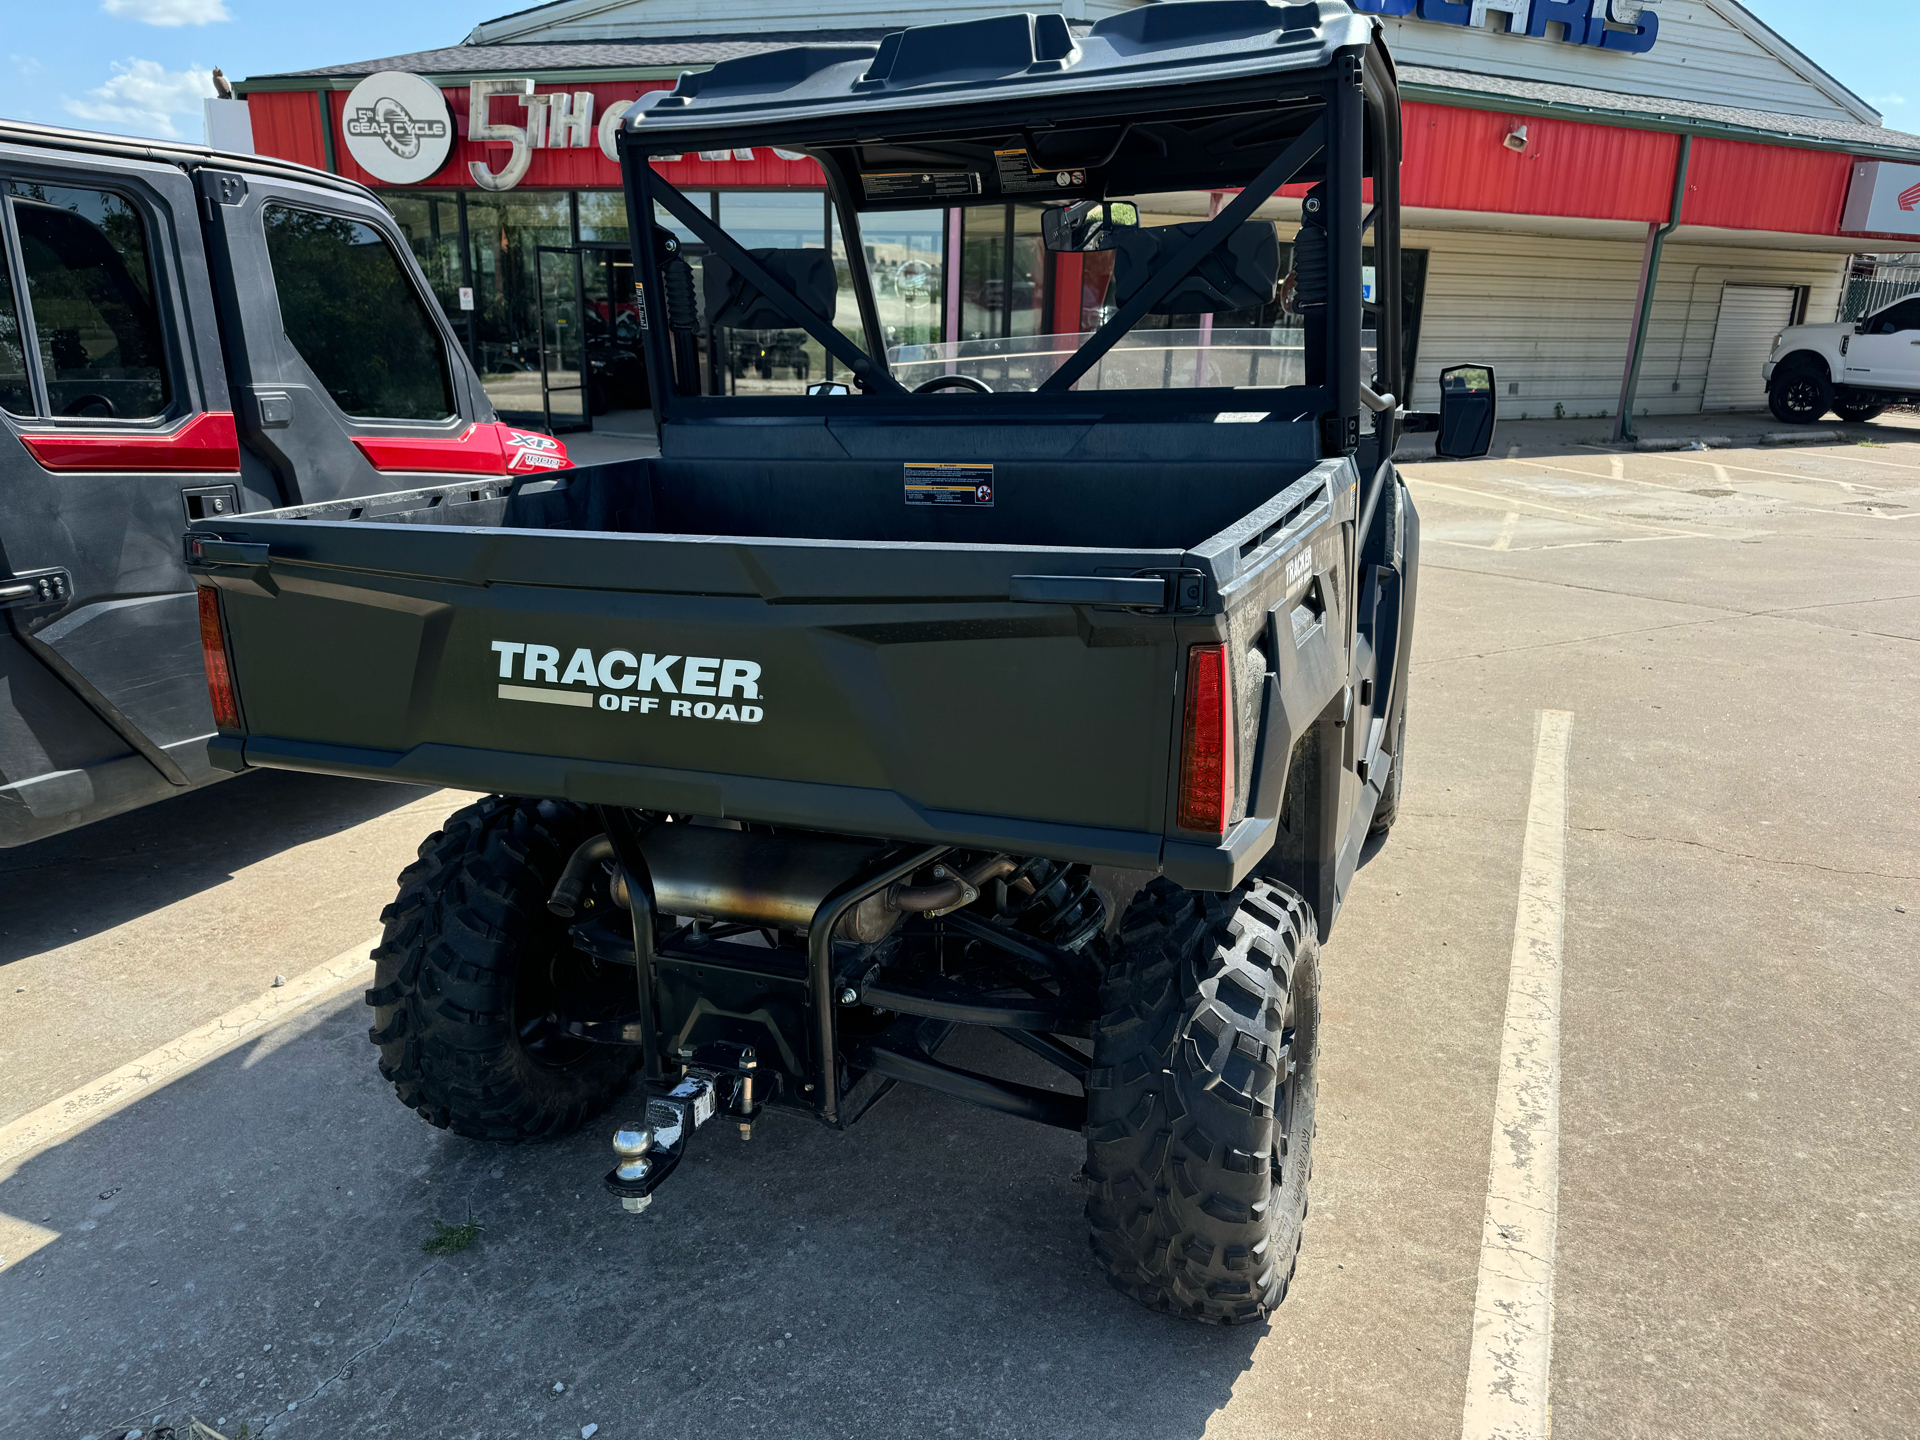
point(139, 66)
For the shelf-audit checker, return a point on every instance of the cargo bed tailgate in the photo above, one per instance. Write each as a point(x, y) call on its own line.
point(994, 695)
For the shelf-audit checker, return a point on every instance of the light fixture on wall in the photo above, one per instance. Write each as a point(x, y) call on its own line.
point(1516, 139)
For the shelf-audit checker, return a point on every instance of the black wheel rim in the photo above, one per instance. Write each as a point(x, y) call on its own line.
point(1801, 397)
point(1285, 1089)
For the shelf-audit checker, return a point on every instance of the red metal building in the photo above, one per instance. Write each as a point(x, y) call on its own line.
point(1538, 168)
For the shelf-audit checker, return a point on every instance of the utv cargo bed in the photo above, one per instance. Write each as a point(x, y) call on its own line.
point(790, 641)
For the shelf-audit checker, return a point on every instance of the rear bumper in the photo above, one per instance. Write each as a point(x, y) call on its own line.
point(846, 809)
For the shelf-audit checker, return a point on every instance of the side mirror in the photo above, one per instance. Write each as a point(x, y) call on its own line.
point(828, 387)
point(1086, 225)
point(1467, 412)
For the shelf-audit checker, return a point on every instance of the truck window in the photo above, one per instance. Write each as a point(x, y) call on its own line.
point(16, 395)
point(357, 321)
point(90, 287)
point(1897, 318)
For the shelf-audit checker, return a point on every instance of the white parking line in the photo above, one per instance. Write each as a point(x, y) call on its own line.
point(1507, 1369)
point(103, 1096)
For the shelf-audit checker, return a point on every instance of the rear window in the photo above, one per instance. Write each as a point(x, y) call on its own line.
point(90, 288)
point(356, 318)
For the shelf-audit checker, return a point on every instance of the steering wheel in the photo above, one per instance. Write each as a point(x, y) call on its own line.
point(954, 382)
point(88, 405)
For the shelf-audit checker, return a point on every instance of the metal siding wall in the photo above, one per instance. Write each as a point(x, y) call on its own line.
point(1698, 55)
point(1687, 307)
point(1453, 159)
point(1552, 313)
point(1739, 186)
point(286, 123)
point(702, 17)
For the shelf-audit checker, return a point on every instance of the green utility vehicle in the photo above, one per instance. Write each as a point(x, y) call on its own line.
point(1044, 684)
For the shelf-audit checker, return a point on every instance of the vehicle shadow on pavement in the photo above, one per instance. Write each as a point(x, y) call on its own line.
point(245, 1245)
point(92, 879)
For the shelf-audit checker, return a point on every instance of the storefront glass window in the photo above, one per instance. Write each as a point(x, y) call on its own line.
point(983, 271)
point(1027, 297)
point(764, 362)
point(431, 224)
point(603, 216)
point(905, 251)
point(507, 232)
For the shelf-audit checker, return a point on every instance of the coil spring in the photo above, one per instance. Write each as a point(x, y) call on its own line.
point(677, 282)
point(1064, 909)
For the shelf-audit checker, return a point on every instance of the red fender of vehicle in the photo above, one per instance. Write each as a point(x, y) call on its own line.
point(493, 448)
point(207, 441)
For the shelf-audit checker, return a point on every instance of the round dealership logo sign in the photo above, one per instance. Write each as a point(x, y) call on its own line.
point(399, 128)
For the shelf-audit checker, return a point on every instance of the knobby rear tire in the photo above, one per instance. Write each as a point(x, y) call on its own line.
point(471, 960)
point(1200, 1102)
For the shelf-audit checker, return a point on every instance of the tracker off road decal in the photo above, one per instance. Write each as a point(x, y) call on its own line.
point(623, 682)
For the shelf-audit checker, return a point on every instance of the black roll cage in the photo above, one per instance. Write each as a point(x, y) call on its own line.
point(1358, 87)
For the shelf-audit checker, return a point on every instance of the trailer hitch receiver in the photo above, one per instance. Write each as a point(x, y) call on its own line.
point(647, 1153)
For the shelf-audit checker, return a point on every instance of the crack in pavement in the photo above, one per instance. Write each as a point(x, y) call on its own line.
point(348, 1364)
point(1740, 855)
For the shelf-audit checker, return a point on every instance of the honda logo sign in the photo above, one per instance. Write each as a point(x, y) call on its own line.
point(1884, 198)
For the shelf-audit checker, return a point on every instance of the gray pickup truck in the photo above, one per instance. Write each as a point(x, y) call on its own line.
point(1049, 686)
point(185, 334)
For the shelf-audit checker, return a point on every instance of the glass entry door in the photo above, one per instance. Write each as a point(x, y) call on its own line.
point(563, 340)
point(616, 370)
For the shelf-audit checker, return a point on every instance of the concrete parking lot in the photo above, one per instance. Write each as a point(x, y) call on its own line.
point(1734, 633)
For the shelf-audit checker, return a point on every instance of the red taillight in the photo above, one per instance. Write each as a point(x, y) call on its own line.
point(1207, 743)
point(213, 652)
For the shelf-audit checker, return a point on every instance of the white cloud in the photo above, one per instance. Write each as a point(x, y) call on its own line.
point(169, 12)
point(143, 97)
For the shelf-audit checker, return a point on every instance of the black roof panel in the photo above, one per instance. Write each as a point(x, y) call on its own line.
point(1005, 62)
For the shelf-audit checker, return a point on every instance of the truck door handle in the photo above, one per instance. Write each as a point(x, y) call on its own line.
point(1148, 591)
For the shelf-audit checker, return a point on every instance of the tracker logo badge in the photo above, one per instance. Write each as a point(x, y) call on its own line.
point(619, 680)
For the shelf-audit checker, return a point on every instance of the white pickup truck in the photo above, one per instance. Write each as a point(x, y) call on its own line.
point(1857, 371)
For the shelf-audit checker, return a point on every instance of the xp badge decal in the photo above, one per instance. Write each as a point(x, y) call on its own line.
point(530, 450)
point(398, 127)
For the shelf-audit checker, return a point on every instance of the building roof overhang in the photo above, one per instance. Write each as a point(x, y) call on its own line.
point(670, 57)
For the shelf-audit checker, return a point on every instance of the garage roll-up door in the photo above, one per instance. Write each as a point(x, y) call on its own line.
point(1751, 316)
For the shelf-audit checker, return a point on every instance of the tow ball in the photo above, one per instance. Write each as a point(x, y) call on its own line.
point(647, 1152)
